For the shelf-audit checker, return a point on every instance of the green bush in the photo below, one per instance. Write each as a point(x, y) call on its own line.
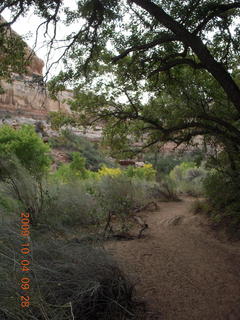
point(73, 171)
point(167, 188)
point(161, 162)
point(120, 194)
point(27, 146)
point(223, 192)
point(25, 190)
point(8, 206)
point(188, 178)
point(76, 170)
point(72, 205)
point(164, 163)
point(147, 172)
point(73, 202)
point(178, 172)
point(60, 119)
point(200, 206)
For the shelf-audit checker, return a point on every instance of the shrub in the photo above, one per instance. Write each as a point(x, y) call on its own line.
point(72, 205)
point(164, 163)
point(68, 281)
point(121, 194)
point(146, 172)
point(8, 206)
point(200, 206)
point(89, 203)
point(178, 173)
point(63, 174)
point(161, 162)
point(167, 188)
point(27, 146)
point(188, 178)
point(22, 188)
point(223, 192)
point(60, 119)
point(73, 171)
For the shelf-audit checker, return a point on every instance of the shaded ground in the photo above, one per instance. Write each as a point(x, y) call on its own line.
point(182, 271)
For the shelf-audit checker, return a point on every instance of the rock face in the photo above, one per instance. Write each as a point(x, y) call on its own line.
point(36, 65)
point(24, 97)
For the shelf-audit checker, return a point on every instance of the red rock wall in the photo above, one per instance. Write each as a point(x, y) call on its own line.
point(24, 98)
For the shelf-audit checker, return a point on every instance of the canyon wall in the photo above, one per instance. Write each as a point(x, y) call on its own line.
point(26, 97)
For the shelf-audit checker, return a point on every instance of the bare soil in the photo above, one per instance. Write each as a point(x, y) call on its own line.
point(181, 269)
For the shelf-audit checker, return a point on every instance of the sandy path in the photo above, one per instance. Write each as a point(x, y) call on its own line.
point(181, 270)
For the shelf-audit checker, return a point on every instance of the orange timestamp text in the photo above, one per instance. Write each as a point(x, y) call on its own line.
point(25, 260)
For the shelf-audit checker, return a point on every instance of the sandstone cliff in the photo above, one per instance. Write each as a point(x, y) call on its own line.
point(26, 96)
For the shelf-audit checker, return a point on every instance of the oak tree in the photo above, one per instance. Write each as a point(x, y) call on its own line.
point(176, 62)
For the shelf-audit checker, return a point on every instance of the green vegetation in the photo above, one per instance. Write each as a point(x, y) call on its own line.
point(177, 65)
point(27, 146)
point(222, 190)
point(67, 278)
point(74, 170)
point(164, 163)
point(73, 210)
point(70, 142)
point(59, 119)
point(69, 218)
point(188, 178)
point(13, 55)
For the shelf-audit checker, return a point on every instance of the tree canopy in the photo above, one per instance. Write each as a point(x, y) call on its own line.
point(158, 70)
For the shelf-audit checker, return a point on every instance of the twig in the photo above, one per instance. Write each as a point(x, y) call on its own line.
point(71, 310)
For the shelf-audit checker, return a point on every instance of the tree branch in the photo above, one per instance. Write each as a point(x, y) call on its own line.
point(219, 10)
point(221, 122)
point(214, 130)
point(164, 38)
point(176, 62)
point(8, 24)
point(195, 43)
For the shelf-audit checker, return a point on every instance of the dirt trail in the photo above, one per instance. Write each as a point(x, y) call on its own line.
point(181, 269)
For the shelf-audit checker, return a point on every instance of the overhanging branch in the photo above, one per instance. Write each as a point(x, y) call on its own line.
point(217, 70)
point(176, 62)
point(219, 9)
point(164, 38)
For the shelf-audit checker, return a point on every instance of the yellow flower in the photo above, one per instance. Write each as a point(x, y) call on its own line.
point(147, 165)
point(104, 171)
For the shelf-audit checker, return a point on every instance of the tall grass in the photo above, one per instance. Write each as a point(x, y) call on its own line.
point(68, 281)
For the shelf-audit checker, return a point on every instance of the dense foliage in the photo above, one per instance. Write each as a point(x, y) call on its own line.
point(186, 67)
point(12, 53)
point(222, 190)
point(151, 72)
point(27, 146)
point(175, 63)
